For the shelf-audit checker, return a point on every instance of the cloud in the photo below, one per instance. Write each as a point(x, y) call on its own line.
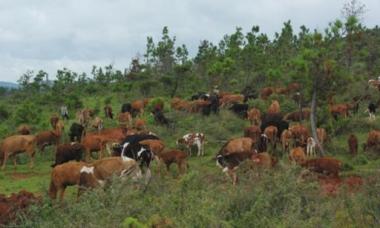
point(50, 35)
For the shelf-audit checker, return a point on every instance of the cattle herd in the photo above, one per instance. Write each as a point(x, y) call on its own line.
point(127, 151)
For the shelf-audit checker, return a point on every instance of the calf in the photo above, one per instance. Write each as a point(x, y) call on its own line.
point(54, 120)
point(322, 135)
point(173, 156)
point(324, 165)
point(191, 139)
point(67, 152)
point(108, 112)
point(353, 144)
point(253, 132)
point(46, 138)
point(274, 107)
point(262, 145)
point(66, 174)
point(271, 132)
point(254, 116)
point(13, 145)
point(140, 125)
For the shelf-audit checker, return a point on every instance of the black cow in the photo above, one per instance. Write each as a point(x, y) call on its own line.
point(200, 95)
point(213, 106)
point(240, 109)
point(76, 132)
point(67, 152)
point(262, 143)
point(127, 107)
point(275, 119)
point(160, 118)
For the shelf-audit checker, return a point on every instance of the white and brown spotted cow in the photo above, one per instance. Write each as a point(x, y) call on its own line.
point(190, 139)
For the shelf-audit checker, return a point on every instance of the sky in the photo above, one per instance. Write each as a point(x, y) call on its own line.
point(77, 34)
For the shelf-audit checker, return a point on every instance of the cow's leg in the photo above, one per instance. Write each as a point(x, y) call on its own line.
point(62, 194)
point(31, 164)
point(4, 160)
point(14, 161)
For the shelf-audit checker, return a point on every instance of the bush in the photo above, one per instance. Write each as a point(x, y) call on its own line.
point(4, 114)
point(27, 113)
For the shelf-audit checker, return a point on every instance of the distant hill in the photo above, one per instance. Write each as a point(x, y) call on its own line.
point(8, 85)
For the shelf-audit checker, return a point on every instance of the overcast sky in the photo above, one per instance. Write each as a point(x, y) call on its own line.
point(52, 34)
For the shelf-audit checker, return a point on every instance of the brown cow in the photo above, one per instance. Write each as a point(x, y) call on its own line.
point(124, 119)
point(54, 120)
point(266, 92)
point(337, 109)
point(24, 129)
point(237, 145)
point(197, 105)
point(84, 116)
point(67, 152)
point(173, 156)
point(46, 138)
point(324, 165)
point(264, 160)
point(97, 123)
point(66, 174)
point(140, 125)
point(353, 144)
point(274, 107)
point(373, 140)
point(15, 144)
point(138, 106)
point(322, 135)
point(271, 133)
point(286, 139)
point(297, 155)
point(298, 116)
point(300, 134)
point(253, 132)
point(100, 171)
point(231, 99)
point(254, 116)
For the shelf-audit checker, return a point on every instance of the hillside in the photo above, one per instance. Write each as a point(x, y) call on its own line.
point(8, 85)
point(325, 73)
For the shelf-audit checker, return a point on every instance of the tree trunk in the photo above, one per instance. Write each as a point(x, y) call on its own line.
point(312, 118)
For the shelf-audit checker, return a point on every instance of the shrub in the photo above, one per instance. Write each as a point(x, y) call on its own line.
point(27, 113)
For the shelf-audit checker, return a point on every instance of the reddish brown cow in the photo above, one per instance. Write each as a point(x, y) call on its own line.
point(24, 129)
point(324, 165)
point(46, 138)
point(253, 132)
point(264, 160)
point(138, 105)
point(297, 155)
point(266, 92)
point(231, 99)
point(140, 125)
point(173, 156)
point(353, 144)
point(300, 134)
point(54, 120)
point(298, 116)
point(124, 119)
point(108, 112)
point(154, 145)
point(286, 139)
point(254, 116)
point(271, 133)
point(373, 140)
point(322, 135)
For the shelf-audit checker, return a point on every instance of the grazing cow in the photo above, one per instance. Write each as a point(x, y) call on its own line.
point(24, 129)
point(231, 99)
point(46, 138)
point(263, 160)
point(93, 143)
point(66, 174)
point(16, 144)
point(300, 134)
point(274, 120)
point(337, 109)
point(101, 171)
point(154, 145)
point(274, 107)
point(310, 147)
point(373, 140)
point(198, 105)
point(13, 206)
point(138, 106)
point(254, 116)
point(108, 112)
point(286, 138)
point(322, 135)
point(353, 144)
point(97, 123)
point(298, 116)
point(266, 92)
point(371, 111)
point(324, 165)
point(237, 145)
point(179, 104)
point(193, 139)
point(76, 132)
point(239, 109)
point(124, 119)
point(271, 132)
point(127, 107)
point(173, 156)
point(140, 125)
point(54, 120)
point(297, 155)
point(253, 132)
point(67, 152)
